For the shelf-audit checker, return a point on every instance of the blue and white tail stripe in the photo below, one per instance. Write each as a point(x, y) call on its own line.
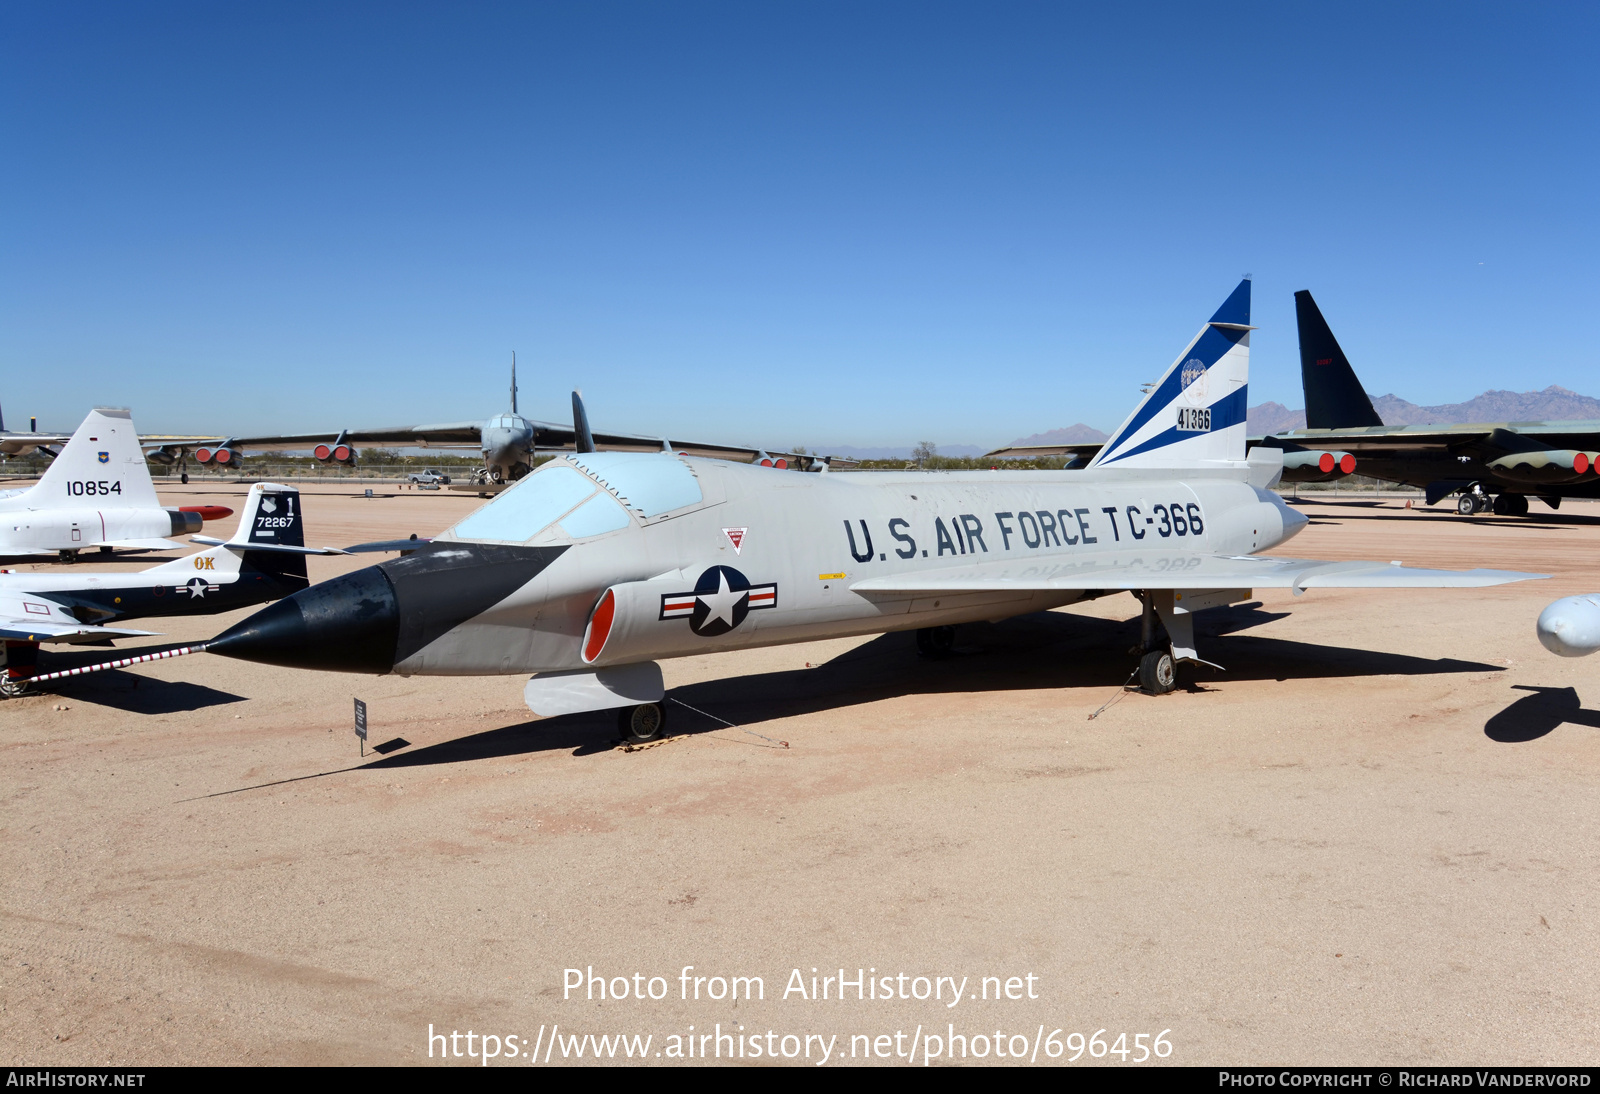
point(1196, 411)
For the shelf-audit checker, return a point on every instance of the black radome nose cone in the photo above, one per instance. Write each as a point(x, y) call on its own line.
point(348, 624)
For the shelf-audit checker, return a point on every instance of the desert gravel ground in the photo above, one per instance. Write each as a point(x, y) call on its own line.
point(1374, 839)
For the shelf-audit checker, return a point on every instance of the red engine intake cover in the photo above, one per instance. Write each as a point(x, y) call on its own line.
point(202, 455)
point(322, 452)
point(207, 512)
point(594, 639)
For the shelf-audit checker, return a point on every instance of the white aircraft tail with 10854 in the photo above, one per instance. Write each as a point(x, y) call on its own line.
point(96, 493)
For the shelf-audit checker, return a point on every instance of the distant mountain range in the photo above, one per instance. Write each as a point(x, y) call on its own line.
point(1073, 434)
point(1553, 404)
point(852, 452)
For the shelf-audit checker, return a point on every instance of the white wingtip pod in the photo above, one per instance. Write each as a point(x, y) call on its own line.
point(1195, 414)
point(101, 466)
point(1571, 626)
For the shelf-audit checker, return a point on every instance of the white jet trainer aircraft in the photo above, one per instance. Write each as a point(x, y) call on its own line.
point(597, 564)
point(97, 493)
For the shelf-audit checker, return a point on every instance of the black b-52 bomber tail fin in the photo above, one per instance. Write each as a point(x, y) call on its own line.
point(1335, 399)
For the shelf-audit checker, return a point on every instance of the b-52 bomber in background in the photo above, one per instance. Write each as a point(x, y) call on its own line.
point(262, 561)
point(96, 493)
point(14, 442)
point(1491, 465)
point(597, 565)
point(509, 443)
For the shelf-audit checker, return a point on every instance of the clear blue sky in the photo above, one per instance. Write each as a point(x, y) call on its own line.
point(779, 223)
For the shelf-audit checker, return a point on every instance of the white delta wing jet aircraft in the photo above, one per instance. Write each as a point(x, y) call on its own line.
point(593, 567)
point(262, 561)
point(97, 493)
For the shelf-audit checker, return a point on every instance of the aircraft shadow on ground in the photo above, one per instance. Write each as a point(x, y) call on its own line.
point(137, 694)
point(1535, 715)
point(1040, 651)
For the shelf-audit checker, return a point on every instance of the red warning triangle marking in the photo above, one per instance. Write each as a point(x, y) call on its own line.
point(735, 537)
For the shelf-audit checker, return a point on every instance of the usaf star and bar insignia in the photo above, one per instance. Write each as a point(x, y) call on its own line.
point(719, 602)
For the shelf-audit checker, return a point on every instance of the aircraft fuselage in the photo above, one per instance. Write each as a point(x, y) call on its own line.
point(758, 558)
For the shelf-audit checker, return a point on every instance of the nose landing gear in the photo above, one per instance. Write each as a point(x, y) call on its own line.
point(936, 642)
point(641, 723)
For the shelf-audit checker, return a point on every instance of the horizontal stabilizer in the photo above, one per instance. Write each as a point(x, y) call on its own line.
point(1166, 571)
point(412, 544)
point(284, 548)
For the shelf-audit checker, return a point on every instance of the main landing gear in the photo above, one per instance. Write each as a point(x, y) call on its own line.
point(1158, 672)
point(18, 661)
point(1159, 661)
point(1158, 669)
point(936, 642)
point(644, 722)
point(1472, 502)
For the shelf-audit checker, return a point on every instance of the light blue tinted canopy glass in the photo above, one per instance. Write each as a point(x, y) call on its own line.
point(529, 507)
point(649, 482)
point(594, 517)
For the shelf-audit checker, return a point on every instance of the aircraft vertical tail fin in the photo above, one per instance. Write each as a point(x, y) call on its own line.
point(1335, 399)
point(272, 518)
point(1195, 413)
point(102, 466)
point(582, 438)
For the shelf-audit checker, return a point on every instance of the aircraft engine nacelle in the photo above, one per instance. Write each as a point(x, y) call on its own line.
point(1314, 466)
point(218, 457)
point(166, 455)
point(185, 523)
point(1542, 467)
point(187, 519)
point(335, 453)
point(1571, 626)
